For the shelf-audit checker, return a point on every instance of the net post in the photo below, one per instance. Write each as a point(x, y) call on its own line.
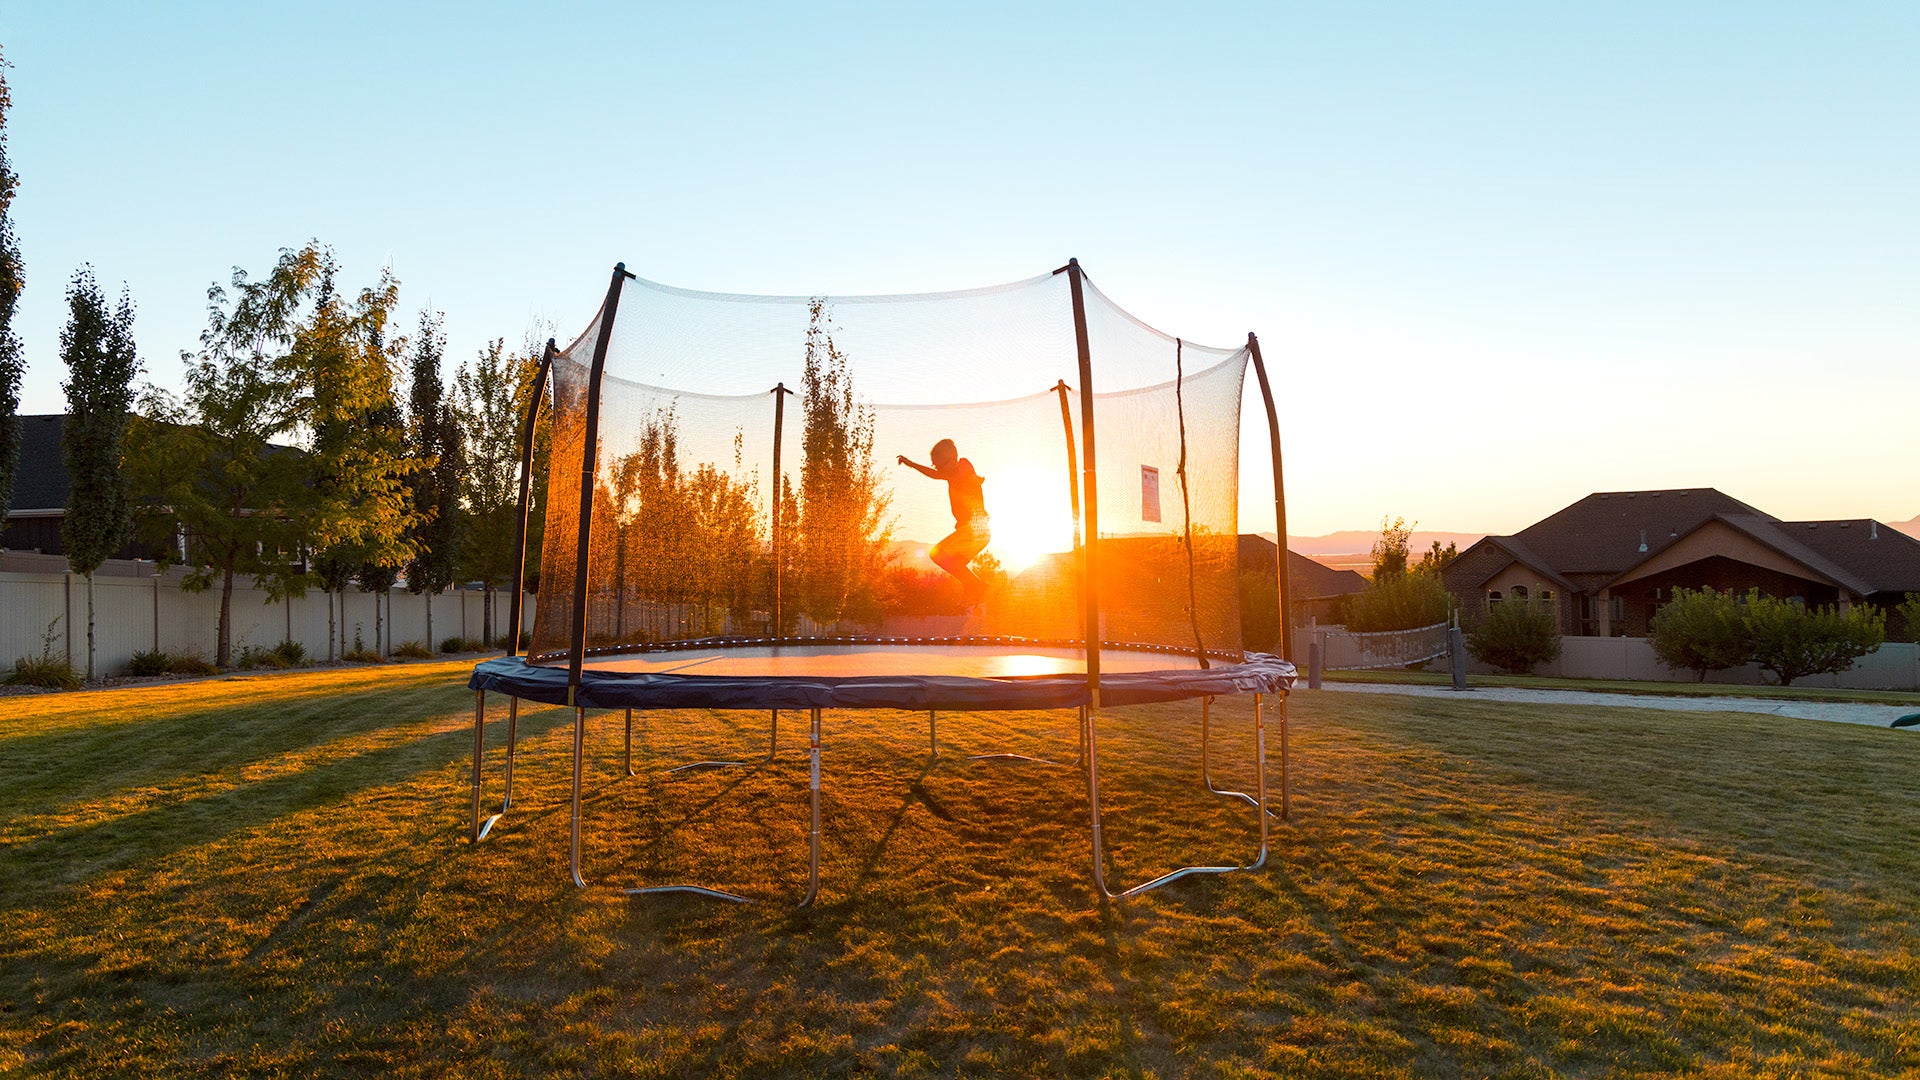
point(1090, 496)
point(534, 396)
point(780, 393)
point(589, 454)
point(1073, 464)
point(1279, 494)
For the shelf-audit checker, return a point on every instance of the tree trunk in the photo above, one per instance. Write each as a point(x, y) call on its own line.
point(89, 626)
point(223, 651)
point(431, 647)
point(378, 625)
point(330, 624)
point(486, 616)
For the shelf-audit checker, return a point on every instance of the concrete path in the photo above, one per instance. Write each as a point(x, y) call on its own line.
point(1837, 711)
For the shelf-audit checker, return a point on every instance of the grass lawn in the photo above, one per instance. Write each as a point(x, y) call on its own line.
point(1630, 686)
point(269, 876)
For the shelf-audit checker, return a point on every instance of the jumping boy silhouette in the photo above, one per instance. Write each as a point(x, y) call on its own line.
point(970, 523)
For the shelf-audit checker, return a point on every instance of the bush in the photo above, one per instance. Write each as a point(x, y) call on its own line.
point(1905, 623)
point(1397, 602)
point(506, 639)
point(190, 662)
point(1701, 631)
point(412, 650)
point(290, 653)
point(462, 644)
point(252, 657)
point(1792, 640)
point(44, 670)
point(148, 663)
point(1516, 636)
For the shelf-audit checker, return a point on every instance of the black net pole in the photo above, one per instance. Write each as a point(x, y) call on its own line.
point(1279, 495)
point(1186, 501)
point(780, 393)
point(1090, 493)
point(589, 454)
point(1073, 465)
point(534, 395)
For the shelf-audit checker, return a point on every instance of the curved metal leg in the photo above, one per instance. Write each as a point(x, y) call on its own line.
point(480, 828)
point(579, 745)
point(513, 739)
point(813, 836)
point(1091, 736)
point(629, 742)
point(1206, 773)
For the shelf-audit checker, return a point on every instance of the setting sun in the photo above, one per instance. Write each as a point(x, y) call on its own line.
point(1031, 516)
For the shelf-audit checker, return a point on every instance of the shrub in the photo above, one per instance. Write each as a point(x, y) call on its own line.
point(506, 639)
point(360, 654)
point(1792, 640)
point(1516, 636)
point(252, 656)
point(412, 650)
point(1397, 602)
point(148, 663)
point(190, 662)
point(290, 653)
point(1905, 623)
point(45, 670)
point(1701, 631)
point(453, 644)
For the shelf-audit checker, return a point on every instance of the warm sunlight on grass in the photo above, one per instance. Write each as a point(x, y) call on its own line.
point(269, 876)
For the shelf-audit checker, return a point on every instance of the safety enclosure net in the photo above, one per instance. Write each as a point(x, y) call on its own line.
point(747, 484)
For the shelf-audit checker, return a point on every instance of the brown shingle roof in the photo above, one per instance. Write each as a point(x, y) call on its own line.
point(1879, 557)
point(1603, 533)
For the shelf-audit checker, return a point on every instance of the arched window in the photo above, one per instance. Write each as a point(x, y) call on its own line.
point(1493, 597)
point(1519, 592)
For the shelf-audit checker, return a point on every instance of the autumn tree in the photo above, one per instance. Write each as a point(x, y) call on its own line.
point(843, 528)
point(12, 278)
point(97, 348)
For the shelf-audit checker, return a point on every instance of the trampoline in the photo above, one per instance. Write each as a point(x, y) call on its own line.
point(685, 568)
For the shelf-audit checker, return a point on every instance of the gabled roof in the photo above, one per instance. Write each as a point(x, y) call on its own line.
point(1783, 537)
point(1310, 580)
point(1516, 550)
point(1609, 532)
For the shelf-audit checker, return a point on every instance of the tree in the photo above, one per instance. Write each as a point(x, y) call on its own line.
point(208, 460)
point(1396, 602)
point(1702, 631)
point(1515, 635)
point(489, 407)
point(842, 528)
point(433, 440)
point(352, 510)
point(1436, 558)
point(1906, 619)
point(97, 348)
point(1791, 640)
point(12, 280)
point(1390, 551)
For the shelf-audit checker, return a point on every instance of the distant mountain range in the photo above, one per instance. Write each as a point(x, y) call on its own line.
point(1360, 542)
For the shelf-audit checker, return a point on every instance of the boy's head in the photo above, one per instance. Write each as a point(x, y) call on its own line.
point(943, 454)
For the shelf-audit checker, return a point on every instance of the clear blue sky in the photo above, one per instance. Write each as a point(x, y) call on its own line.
point(1502, 255)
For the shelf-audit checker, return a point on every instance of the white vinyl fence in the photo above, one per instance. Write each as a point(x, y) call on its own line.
point(141, 612)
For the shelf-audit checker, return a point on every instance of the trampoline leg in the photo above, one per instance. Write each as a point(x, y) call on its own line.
point(1206, 773)
point(1093, 800)
point(479, 736)
point(813, 836)
point(629, 742)
point(1286, 780)
point(933, 733)
point(579, 746)
point(513, 738)
point(773, 736)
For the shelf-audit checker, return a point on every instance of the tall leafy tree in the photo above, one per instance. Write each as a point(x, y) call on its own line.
point(97, 348)
point(843, 528)
point(356, 511)
point(490, 398)
point(433, 441)
point(12, 279)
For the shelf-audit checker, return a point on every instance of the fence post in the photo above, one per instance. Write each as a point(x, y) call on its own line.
point(1457, 656)
point(66, 630)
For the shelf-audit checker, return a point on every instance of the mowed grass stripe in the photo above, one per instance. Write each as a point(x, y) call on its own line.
point(271, 878)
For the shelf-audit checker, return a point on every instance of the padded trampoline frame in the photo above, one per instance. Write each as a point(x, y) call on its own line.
point(1094, 688)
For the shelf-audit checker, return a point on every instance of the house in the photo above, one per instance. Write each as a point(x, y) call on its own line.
point(40, 488)
point(1311, 586)
point(1609, 561)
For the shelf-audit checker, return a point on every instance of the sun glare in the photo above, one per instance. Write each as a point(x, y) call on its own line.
point(1031, 516)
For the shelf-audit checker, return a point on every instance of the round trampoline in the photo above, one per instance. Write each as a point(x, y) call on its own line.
point(686, 567)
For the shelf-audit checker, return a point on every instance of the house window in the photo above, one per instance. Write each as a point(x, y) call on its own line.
point(1493, 597)
point(1546, 596)
point(1519, 592)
